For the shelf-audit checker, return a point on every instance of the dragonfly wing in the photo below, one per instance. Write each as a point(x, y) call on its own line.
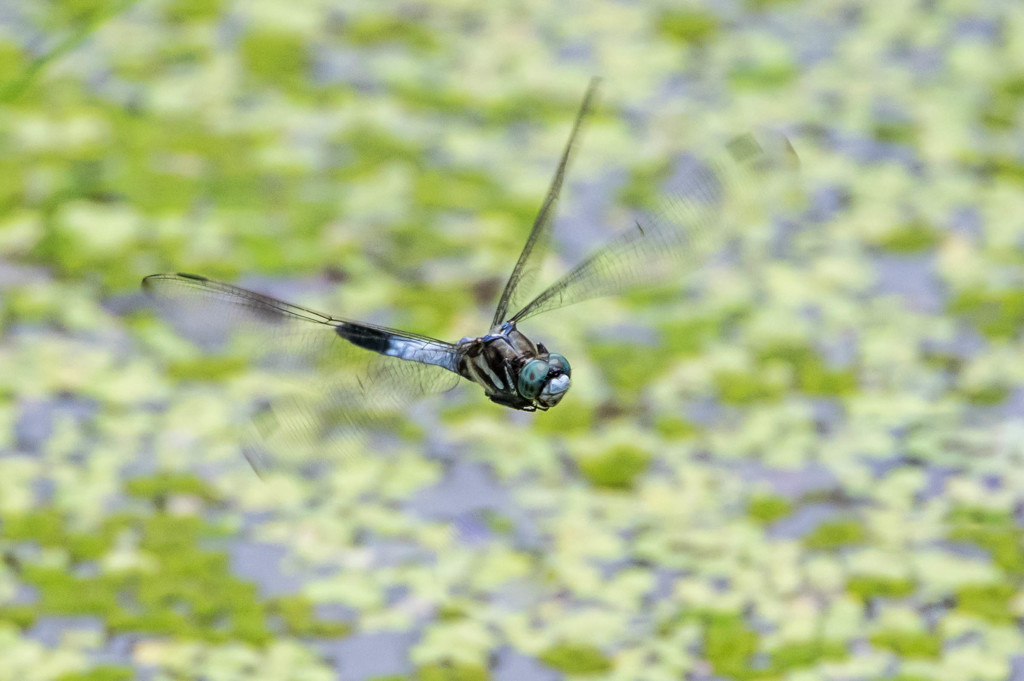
point(525, 271)
point(705, 207)
point(324, 382)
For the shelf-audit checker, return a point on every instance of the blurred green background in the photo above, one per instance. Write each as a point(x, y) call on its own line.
point(806, 465)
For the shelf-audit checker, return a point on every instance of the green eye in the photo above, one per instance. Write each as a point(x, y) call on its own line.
point(559, 362)
point(531, 378)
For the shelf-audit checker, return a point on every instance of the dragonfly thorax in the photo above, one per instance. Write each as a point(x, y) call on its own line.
point(514, 371)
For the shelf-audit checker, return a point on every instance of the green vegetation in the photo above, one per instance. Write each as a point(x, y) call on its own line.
point(616, 467)
point(180, 588)
point(675, 428)
point(102, 673)
point(735, 387)
point(987, 601)
point(688, 28)
point(908, 643)
point(764, 76)
point(573, 417)
point(193, 10)
point(913, 237)
point(452, 672)
point(370, 30)
point(866, 587)
point(810, 373)
point(768, 508)
point(896, 132)
point(643, 187)
point(626, 367)
point(835, 535)
point(157, 488)
point(729, 644)
point(277, 58)
point(576, 658)
point(996, 314)
point(995, 531)
point(805, 654)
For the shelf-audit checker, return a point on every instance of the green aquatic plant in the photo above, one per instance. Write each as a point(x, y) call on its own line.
point(913, 237)
point(989, 602)
point(452, 671)
point(835, 535)
point(616, 467)
point(100, 673)
point(796, 655)
point(767, 508)
point(576, 659)
point(996, 314)
point(177, 587)
point(996, 531)
point(688, 27)
point(908, 643)
point(866, 587)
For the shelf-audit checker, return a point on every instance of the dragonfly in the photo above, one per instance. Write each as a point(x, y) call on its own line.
point(368, 368)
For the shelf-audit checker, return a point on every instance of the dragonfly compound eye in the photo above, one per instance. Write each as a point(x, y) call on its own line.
point(557, 361)
point(531, 378)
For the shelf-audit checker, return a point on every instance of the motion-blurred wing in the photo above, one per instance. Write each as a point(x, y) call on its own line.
point(328, 379)
point(525, 271)
point(703, 209)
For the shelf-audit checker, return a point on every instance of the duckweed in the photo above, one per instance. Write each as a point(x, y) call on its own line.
point(736, 387)
point(995, 531)
point(452, 672)
point(908, 643)
point(987, 601)
point(276, 58)
point(615, 468)
point(768, 508)
point(764, 77)
point(193, 10)
point(688, 27)
point(185, 590)
point(21, 616)
point(573, 417)
point(806, 653)
point(372, 30)
point(913, 237)
point(675, 428)
point(996, 314)
point(165, 484)
point(101, 673)
point(866, 587)
point(810, 373)
point(835, 535)
point(626, 370)
point(576, 658)
point(729, 644)
point(643, 187)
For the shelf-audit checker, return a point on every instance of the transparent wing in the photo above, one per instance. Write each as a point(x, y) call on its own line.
point(324, 381)
point(525, 271)
point(710, 203)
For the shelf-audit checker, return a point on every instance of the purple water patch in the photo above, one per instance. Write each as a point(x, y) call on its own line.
point(466, 494)
point(914, 278)
point(50, 629)
point(967, 221)
point(793, 484)
point(261, 563)
point(803, 521)
point(367, 656)
point(465, 488)
point(1016, 669)
point(34, 425)
point(514, 666)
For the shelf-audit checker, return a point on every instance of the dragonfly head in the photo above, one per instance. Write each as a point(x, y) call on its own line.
point(544, 379)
